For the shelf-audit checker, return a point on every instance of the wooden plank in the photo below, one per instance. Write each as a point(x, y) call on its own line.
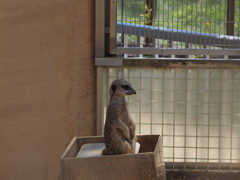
point(148, 164)
point(119, 167)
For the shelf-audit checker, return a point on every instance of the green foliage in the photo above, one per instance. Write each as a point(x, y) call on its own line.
point(208, 16)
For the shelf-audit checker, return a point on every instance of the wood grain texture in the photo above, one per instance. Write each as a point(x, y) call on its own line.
point(117, 167)
point(47, 80)
point(147, 164)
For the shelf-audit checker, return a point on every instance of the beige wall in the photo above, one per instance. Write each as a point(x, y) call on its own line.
point(47, 83)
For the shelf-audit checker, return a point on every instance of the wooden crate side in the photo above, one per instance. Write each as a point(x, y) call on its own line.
point(71, 150)
point(147, 142)
point(159, 160)
point(119, 167)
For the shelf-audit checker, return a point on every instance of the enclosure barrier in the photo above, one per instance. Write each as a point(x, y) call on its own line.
point(194, 105)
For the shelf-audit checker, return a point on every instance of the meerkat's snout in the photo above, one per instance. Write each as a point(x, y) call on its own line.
point(129, 89)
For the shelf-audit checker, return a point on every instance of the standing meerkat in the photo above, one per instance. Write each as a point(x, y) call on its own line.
point(119, 129)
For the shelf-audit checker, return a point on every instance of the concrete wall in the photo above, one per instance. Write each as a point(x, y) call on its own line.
point(47, 83)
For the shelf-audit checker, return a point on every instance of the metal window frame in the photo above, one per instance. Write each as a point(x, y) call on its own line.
point(101, 61)
point(99, 52)
point(105, 44)
point(133, 63)
point(139, 50)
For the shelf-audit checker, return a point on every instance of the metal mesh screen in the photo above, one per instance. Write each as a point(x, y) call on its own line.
point(196, 28)
point(196, 111)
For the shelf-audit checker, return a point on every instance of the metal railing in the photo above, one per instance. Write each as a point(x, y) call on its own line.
point(132, 34)
point(195, 110)
point(194, 104)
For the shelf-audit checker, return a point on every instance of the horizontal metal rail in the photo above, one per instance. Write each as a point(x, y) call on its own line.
point(202, 38)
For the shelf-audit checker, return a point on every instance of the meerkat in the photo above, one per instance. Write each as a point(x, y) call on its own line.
point(119, 129)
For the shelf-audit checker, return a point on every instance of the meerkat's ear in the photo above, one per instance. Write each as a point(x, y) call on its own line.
point(113, 88)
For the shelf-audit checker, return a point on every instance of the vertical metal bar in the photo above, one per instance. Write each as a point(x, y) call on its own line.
point(201, 23)
point(172, 25)
point(163, 24)
point(186, 19)
point(158, 14)
point(151, 100)
point(197, 117)
point(126, 35)
point(214, 42)
point(174, 98)
point(225, 21)
point(208, 56)
point(100, 52)
point(100, 25)
point(196, 27)
point(192, 21)
point(154, 40)
point(144, 24)
point(140, 42)
point(135, 21)
point(141, 45)
point(163, 105)
point(231, 143)
point(153, 21)
point(185, 126)
point(168, 27)
point(238, 28)
point(107, 86)
point(149, 4)
point(177, 22)
point(122, 33)
point(230, 17)
point(210, 24)
point(113, 25)
point(209, 92)
point(182, 25)
point(157, 47)
point(130, 14)
point(205, 24)
point(125, 44)
point(219, 157)
point(220, 21)
point(128, 76)
point(100, 97)
point(173, 44)
point(140, 104)
point(190, 47)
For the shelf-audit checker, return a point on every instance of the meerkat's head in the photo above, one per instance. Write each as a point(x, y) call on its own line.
point(121, 88)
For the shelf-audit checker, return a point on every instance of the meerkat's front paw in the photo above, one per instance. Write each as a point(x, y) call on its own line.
point(104, 151)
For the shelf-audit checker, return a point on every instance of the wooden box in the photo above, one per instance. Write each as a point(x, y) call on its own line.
point(147, 164)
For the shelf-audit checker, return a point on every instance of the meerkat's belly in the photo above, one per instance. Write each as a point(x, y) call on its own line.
point(118, 144)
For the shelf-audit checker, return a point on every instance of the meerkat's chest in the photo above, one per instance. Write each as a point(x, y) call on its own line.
point(125, 116)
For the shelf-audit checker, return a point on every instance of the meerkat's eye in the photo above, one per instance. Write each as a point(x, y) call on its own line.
point(126, 87)
point(113, 88)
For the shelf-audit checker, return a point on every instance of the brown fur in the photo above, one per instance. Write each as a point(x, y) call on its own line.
point(119, 130)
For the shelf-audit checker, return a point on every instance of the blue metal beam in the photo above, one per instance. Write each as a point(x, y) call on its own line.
point(208, 39)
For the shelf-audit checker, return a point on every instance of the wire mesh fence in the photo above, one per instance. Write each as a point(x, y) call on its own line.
point(196, 28)
point(196, 111)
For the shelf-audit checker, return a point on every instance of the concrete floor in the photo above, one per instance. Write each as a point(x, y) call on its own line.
point(189, 175)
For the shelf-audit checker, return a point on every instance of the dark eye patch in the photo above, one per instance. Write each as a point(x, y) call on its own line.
point(113, 88)
point(126, 87)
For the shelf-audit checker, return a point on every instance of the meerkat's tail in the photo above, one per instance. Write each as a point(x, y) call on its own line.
point(105, 151)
